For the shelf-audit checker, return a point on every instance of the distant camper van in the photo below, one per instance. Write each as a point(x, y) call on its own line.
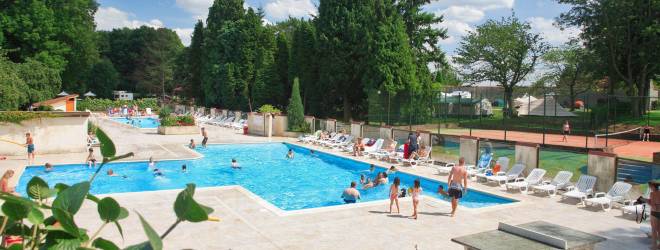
point(122, 95)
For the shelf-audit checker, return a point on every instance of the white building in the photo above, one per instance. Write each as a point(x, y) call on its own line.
point(122, 95)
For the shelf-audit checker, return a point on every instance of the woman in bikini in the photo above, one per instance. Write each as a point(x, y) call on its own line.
point(394, 194)
point(4, 183)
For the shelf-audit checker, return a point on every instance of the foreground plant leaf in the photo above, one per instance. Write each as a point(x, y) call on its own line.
point(38, 189)
point(104, 244)
point(15, 210)
point(71, 199)
point(109, 209)
point(66, 221)
point(187, 209)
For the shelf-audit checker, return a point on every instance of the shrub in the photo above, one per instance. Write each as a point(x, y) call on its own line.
point(168, 121)
point(173, 121)
point(267, 108)
point(19, 116)
point(186, 120)
point(94, 104)
point(295, 110)
point(164, 112)
point(40, 232)
point(45, 108)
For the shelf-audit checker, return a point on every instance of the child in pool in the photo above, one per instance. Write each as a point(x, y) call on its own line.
point(152, 163)
point(290, 154)
point(157, 172)
point(234, 164)
point(394, 194)
point(184, 168)
point(49, 167)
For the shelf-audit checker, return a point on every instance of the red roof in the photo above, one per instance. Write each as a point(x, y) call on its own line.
point(54, 100)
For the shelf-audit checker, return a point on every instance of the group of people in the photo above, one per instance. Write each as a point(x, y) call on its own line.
point(205, 139)
point(124, 110)
point(457, 188)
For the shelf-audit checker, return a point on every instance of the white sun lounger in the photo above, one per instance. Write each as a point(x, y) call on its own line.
point(582, 189)
point(421, 160)
point(523, 184)
point(617, 193)
point(502, 161)
point(502, 178)
point(561, 180)
point(442, 170)
point(639, 208)
point(382, 153)
point(377, 146)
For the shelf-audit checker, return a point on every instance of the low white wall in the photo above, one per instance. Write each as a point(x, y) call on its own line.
point(385, 132)
point(356, 129)
point(312, 125)
point(469, 148)
point(280, 125)
point(55, 135)
point(178, 130)
point(528, 154)
point(331, 125)
point(603, 166)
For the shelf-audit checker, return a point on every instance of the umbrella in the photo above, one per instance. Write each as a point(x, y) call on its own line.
point(89, 94)
point(63, 93)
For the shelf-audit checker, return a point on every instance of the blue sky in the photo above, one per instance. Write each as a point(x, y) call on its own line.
point(460, 15)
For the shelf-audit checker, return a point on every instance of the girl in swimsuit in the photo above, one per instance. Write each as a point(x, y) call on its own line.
point(4, 183)
point(394, 194)
point(416, 192)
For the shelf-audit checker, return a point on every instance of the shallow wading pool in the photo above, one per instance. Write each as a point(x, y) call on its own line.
point(307, 181)
point(139, 122)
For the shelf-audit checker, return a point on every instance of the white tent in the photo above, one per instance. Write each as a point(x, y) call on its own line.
point(63, 93)
point(552, 108)
point(89, 94)
point(524, 99)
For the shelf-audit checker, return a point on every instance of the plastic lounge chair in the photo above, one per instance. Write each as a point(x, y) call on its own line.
point(385, 151)
point(504, 165)
point(304, 138)
point(639, 208)
point(421, 160)
point(442, 170)
point(513, 173)
point(617, 193)
point(377, 146)
point(523, 184)
point(561, 180)
point(349, 147)
point(482, 165)
point(347, 139)
point(333, 136)
point(582, 189)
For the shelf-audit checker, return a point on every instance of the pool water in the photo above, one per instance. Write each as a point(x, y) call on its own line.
point(139, 122)
point(307, 181)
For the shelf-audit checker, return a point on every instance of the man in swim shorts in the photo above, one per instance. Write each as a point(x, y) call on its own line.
point(457, 184)
point(351, 194)
point(206, 137)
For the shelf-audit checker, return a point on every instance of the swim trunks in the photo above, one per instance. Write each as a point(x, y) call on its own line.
point(349, 201)
point(205, 140)
point(455, 190)
point(30, 148)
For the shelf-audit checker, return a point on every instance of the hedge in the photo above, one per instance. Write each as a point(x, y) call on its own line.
point(19, 116)
point(94, 104)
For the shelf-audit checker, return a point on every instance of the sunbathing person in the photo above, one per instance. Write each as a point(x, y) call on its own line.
point(416, 155)
point(4, 183)
point(358, 147)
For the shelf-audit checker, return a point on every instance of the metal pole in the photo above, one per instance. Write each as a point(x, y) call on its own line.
point(584, 124)
point(388, 107)
point(607, 121)
point(410, 111)
point(543, 120)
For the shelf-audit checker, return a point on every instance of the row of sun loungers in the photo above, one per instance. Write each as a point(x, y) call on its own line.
point(228, 121)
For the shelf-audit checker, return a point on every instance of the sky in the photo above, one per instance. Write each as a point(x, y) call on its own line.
point(460, 16)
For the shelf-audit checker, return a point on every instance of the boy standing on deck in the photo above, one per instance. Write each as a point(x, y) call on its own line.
point(29, 143)
point(206, 137)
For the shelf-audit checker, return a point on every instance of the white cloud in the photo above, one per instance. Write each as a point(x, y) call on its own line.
point(456, 29)
point(281, 9)
point(551, 33)
point(184, 34)
point(199, 8)
point(108, 18)
point(463, 13)
point(478, 4)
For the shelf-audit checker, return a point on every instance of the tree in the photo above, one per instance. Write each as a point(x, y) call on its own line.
point(295, 111)
point(282, 83)
point(195, 63)
point(103, 78)
point(503, 51)
point(42, 81)
point(624, 34)
point(12, 88)
point(569, 69)
point(304, 64)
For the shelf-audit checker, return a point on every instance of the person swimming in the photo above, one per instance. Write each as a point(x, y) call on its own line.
point(363, 179)
point(184, 168)
point(49, 167)
point(157, 172)
point(152, 163)
point(234, 164)
point(113, 174)
point(290, 155)
point(392, 170)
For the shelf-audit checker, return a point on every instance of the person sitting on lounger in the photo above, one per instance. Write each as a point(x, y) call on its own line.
point(351, 194)
point(4, 183)
point(358, 147)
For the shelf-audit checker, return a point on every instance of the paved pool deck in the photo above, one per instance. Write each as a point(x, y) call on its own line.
point(248, 223)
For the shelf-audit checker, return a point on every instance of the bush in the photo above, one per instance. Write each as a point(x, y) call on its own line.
point(295, 110)
point(94, 104)
point(45, 108)
point(186, 120)
point(174, 121)
point(267, 108)
point(305, 128)
point(19, 116)
point(164, 112)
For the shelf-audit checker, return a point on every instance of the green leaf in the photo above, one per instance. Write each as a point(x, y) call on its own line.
point(59, 187)
point(187, 209)
point(15, 247)
point(109, 209)
point(104, 244)
point(121, 231)
point(16, 210)
point(71, 199)
point(35, 216)
point(142, 246)
point(154, 239)
point(63, 241)
point(66, 221)
point(38, 189)
point(93, 198)
point(123, 213)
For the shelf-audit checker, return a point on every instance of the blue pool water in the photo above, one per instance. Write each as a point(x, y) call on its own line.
point(139, 122)
point(308, 181)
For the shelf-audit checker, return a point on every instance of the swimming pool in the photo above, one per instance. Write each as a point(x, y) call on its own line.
point(307, 181)
point(139, 122)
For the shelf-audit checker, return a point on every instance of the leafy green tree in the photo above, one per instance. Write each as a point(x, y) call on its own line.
point(503, 51)
point(195, 63)
point(281, 81)
point(569, 70)
point(12, 88)
point(42, 81)
point(624, 34)
point(103, 79)
point(295, 111)
point(304, 64)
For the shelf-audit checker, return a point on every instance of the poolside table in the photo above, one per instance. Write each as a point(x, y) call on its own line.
point(537, 235)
